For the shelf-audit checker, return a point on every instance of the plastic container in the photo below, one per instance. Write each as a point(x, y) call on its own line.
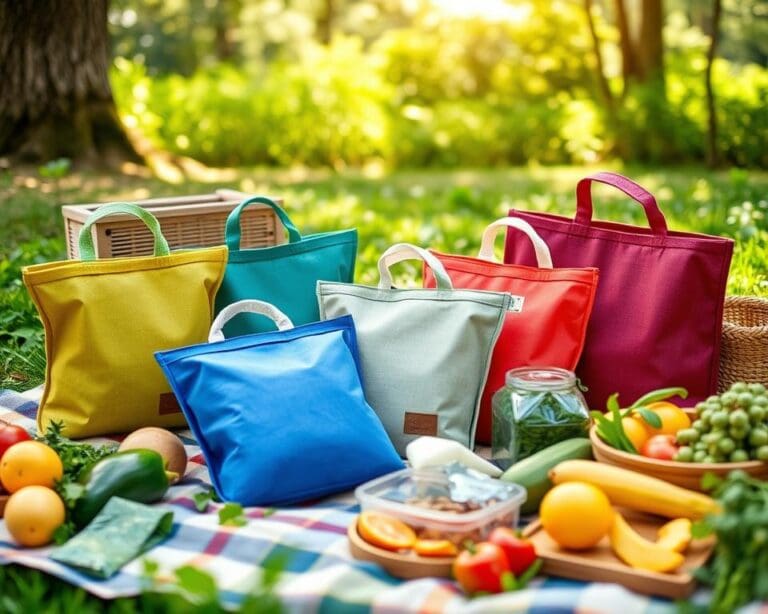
point(397, 494)
point(538, 407)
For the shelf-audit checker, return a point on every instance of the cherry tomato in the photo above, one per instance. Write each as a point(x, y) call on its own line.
point(11, 434)
point(660, 447)
point(520, 552)
point(480, 568)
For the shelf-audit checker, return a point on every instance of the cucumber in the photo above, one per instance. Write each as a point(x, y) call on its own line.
point(531, 472)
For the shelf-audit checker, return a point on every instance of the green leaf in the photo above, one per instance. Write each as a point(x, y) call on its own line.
point(202, 499)
point(196, 582)
point(659, 395)
point(710, 481)
point(700, 529)
point(232, 515)
point(651, 418)
point(613, 402)
point(508, 582)
point(530, 573)
point(62, 534)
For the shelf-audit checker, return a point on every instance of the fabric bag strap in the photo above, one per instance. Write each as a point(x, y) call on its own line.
point(543, 256)
point(282, 321)
point(407, 251)
point(636, 192)
point(85, 241)
point(232, 232)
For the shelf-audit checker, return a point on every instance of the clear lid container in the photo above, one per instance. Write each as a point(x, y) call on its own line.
point(471, 502)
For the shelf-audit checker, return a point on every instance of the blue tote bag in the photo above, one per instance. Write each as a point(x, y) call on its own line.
point(280, 416)
point(284, 275)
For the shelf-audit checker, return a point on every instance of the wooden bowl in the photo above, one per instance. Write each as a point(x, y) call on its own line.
point(687, 475)
point(407, 565)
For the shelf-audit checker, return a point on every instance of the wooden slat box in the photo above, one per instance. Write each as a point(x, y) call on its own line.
point(186, 222)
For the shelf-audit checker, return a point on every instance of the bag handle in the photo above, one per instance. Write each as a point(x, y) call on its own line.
point(85, 240)
point(636, 192)
point(543, 255)
point(407, 251)
point(282, 321)
point(232, 231)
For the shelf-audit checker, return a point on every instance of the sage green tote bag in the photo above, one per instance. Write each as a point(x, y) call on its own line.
point(284, 275)
point(424, 352)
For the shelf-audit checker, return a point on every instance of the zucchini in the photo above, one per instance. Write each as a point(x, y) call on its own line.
point(531, 473)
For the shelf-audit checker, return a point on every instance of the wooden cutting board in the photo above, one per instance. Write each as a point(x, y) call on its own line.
point(600, 564)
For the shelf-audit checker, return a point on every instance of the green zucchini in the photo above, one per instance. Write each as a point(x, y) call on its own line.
point(531, 472)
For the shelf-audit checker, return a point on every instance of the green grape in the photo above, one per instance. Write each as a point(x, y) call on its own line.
point(713, 407)
point(745, 399)
point(729, 399)
point(686, 436)
point(757, 414)
point(699, 426)
point(761, 401)
point(709, 459)
point(684, 454)
point(756, 389)
point(738, 432)
point(758, 437)
point(699, 456)
point(739, 418)
point(738, 456)
point(700, 406)
point(726, 445)
point(713, 399)
point(739, 387)
point(700, 446)
point(762, 454)
point(706, 416)
point(712, 437)
point(719, 419)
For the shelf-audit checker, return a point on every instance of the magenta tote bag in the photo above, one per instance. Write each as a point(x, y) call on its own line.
point(658, 311)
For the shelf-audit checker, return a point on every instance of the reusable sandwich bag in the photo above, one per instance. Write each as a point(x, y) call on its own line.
point(280, 416)
point(547, 322)
point(284, 275)
point(425, 353)
point(103, 321)
point(658, 312)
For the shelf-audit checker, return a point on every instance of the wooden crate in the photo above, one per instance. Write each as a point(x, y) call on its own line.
point(186, 222)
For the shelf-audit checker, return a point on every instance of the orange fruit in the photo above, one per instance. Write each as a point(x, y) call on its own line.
point(435, 547)
point(32, 514)
point(385, 531)
point(30, 463)
point(673, 419)
point(576, 515)
point(635, 430)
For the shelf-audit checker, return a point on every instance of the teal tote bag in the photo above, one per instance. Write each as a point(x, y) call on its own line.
point(425, 353)
point(284, 275)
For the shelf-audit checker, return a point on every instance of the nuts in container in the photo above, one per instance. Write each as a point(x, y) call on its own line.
point(450, 502)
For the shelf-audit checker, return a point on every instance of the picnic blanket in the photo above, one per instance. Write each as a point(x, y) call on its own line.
point(319, 573)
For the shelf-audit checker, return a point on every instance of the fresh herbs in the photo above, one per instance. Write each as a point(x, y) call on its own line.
point(738, 570)
point(609, 426)
point(75, 456)
point(232, 515)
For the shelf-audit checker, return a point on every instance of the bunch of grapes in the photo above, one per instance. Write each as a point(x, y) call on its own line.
point(731, 427)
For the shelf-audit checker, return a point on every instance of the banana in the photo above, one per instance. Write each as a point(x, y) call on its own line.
point(638, 552)
point(636, 490)
point(675, 535)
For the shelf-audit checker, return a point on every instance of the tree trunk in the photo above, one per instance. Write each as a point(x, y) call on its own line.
point(629, 67)
point(326, 21)
point(712, 157)
point(650, 47)
point(605, 88)
point(55, 99)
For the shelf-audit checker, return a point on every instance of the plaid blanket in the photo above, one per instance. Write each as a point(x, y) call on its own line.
point(319, 573)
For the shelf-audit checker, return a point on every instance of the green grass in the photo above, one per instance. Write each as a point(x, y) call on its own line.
point(445, 210)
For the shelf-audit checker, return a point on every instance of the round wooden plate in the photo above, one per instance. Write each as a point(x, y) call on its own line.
point(407, 565)
point(687, 475)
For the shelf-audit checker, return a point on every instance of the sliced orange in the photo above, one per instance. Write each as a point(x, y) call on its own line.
point(385, 531)
point(435, 547)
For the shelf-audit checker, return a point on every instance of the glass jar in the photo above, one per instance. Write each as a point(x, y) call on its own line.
point(538, 407)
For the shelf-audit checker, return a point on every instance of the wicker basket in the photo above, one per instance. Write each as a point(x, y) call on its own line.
point(744, 346)
point(186, 221)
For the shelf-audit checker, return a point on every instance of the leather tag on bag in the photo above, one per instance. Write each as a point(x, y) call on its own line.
point(420, 424)
point(167, 404)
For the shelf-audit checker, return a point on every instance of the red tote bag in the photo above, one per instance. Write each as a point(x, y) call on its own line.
point(658, 313)
point(547, 322)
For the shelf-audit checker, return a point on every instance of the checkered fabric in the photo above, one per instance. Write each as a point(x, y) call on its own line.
point(320, 574)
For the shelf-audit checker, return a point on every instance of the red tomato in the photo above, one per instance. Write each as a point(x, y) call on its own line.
point(520, 552)
point(481, 568)
point(660, 447)
point(11, 434)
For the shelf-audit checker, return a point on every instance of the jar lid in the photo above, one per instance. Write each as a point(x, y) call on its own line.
point(540, 378)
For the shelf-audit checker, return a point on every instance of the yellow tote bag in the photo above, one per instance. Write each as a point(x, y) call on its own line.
point(104, 319)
